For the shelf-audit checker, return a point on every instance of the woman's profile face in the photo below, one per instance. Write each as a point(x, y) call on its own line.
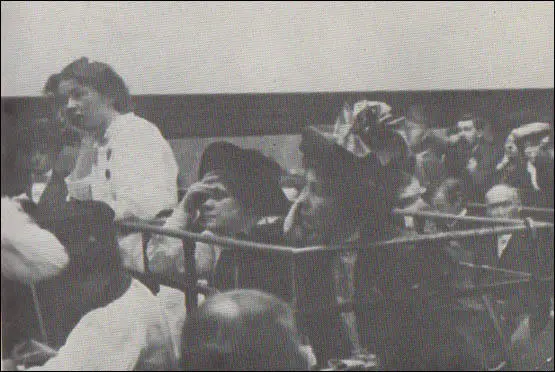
point(221, 212)
point(313, 217)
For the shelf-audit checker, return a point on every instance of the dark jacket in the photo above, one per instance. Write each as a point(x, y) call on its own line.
point(318, 317)
point(94, 276)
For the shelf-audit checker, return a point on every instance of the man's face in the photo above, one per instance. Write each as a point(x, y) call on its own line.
point(467, 130)
point(449, 204)
point(220, 212)
point(503, 203)
point(311, 220)
point(84, 107)
point(415, 131)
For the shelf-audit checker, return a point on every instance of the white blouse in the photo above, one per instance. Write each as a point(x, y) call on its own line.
point(135, 172)
point(130, 333)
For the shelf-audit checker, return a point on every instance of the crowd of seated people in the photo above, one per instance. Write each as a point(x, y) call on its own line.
point(83, 288)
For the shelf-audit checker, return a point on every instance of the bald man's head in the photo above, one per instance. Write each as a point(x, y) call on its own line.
point(503, 201)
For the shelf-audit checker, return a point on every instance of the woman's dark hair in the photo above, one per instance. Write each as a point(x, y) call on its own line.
point(242, 330)
point(100, 77)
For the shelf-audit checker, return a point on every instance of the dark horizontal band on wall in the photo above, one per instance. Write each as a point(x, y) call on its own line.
point(216, 115)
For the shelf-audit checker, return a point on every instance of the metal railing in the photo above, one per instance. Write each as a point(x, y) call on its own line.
point(535, 280)
point(292, 254)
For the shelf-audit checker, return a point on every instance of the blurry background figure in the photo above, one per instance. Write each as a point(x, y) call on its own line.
point(545, 169)
point(450, 198)
point(486, 152)
point(469, 155)
point(472, 155)
point(517, 167)
point(429, 167)
point(410, 200)
point(368, 127)
point(242, 330)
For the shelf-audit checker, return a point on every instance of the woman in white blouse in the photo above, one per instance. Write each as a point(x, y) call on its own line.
point(123, 159)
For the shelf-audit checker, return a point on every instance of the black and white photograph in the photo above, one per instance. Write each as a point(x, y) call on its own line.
point(275, 185)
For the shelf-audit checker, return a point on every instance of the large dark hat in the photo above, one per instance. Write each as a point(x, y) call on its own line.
point(253, 178)
point(85, 228)
point(322, 150)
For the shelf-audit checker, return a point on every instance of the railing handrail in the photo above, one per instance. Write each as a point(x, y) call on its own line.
point(209, 239)
point(437, 237)
point(261, 247)
point(190, 283)
point(454, 217)
point(524, 208)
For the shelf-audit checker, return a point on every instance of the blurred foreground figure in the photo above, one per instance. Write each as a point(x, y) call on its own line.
point(242, 330)
point(94, 314)
point(30, 253)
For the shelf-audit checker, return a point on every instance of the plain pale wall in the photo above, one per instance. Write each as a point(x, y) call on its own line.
point(179, 48)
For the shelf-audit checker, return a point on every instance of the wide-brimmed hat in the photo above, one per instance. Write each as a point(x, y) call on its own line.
point(517, 139)
point(325, 151)
point(85, 228)
point(253, 177)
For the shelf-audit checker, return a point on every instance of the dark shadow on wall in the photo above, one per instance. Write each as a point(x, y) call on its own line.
point(272, 122)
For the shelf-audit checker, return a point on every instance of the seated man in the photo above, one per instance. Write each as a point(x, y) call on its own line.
point(94, 313)
point(410, 200)
point(512, 250)
point(242, 330)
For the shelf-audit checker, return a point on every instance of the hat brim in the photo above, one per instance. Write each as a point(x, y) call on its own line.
point(248, 169)
point(322, 150)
